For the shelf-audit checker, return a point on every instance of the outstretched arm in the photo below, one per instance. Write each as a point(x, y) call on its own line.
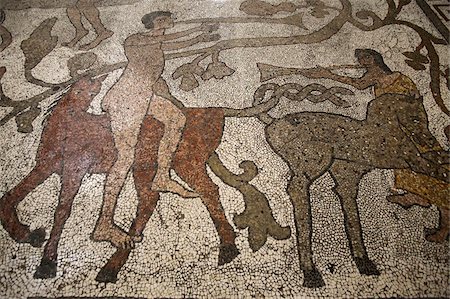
point(141, 39)
point(204, 37)
point(180, 34)
point(364, 82)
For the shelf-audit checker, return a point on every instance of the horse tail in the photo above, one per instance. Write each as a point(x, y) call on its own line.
point(315, 93)
point(261, 106)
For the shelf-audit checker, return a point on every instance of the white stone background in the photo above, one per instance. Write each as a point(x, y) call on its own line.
point(178, 257)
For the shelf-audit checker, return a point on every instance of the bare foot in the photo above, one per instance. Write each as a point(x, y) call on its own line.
point(76, 39)
point(115, 235)
point(168, 185)
point(101, 37)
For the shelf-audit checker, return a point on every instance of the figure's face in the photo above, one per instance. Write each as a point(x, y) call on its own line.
point(364, 58)
point(163, 22)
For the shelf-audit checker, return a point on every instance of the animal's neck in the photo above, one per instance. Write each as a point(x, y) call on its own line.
point(74, 103)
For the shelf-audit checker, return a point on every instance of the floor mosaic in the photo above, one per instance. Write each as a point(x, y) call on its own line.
point(224, 148)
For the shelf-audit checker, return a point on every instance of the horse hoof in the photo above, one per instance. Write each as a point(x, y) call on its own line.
point(37, 237)
point(366, 266)
point(106, 276)
point(313, 279)
point(47, 269)
point(227, 253)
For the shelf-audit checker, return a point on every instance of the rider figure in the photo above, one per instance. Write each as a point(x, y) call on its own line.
point(128, 102)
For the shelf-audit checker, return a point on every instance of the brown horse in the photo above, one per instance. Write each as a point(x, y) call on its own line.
point(75, 143)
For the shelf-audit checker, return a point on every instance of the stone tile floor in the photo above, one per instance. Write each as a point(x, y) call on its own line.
point(224, 148)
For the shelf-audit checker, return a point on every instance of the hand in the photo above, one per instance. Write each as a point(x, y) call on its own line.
point(206, 37)
point(209, 27)
point(316, 72)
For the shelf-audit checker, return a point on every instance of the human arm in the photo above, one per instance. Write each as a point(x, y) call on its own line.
point(142, 39)
point(204, 37)
point(361, 83)
point(180, 34)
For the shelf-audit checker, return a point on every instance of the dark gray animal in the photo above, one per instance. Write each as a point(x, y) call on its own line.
point(315, 143)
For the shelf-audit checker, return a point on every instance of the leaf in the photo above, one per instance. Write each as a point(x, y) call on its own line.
point(296, 20)
point(39, 44)
point(415, 65)
point(416, 56)
point(217, 70)
point(186, 69)
point(25, 120)
point(188, 82)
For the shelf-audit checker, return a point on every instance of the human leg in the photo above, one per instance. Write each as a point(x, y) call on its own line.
point(174, 120)
point(105, 229)
point(75, 18)
point(91, 13)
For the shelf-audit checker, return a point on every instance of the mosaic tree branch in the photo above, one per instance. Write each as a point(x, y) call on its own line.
point(19, 106)
point(320, 35)
point(327, 31)
point(317, 36)
point(218, 69)
point(427, 40)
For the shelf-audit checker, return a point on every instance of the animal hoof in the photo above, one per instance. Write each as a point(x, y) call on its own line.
point(366, 266)
point(36, 237)
point(313, 279)
point(106, 276)
point(227, 253)
point(47, 269)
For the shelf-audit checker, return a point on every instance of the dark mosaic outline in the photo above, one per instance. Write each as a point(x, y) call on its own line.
point(434, 18)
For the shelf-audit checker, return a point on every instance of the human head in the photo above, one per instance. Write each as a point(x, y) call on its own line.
point(370, 58)
point(149, 19)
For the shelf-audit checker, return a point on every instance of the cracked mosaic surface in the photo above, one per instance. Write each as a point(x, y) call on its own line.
point(224, 149)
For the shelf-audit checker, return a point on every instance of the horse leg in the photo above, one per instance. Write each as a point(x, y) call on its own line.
point(8, 203)
point(442, 232)
point(298, 190)
point(347, 177)
point(195, 175)
point(148, 199)
point(71, 178)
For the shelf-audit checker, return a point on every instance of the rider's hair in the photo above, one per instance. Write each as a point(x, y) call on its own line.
point(377, 57)
point(148, 19)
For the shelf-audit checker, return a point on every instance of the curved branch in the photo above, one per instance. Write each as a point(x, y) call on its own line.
point(365, 14)
point(320, 35)
point(435, 76)
point(235, 20)
point(19, 106)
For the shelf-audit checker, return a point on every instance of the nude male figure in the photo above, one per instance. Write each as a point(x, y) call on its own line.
point(129, 101)
point(87, 9)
